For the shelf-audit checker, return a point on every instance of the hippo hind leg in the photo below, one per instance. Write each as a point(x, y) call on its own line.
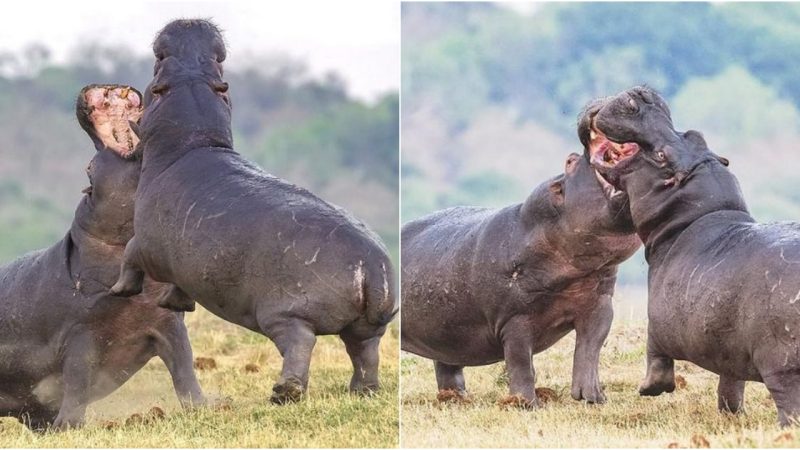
point(175, 299)
point(450, 381)
point(364, 351)
point(730, 394)
point(660, 375)
point(295, 341)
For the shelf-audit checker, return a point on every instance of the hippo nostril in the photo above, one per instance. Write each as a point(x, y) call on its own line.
point(159, 88)
point(221, 87)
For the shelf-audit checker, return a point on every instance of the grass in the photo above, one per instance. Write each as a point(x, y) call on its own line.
point(686, 418)
point(328, 417)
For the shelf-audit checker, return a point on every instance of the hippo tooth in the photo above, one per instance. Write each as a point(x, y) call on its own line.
point(592, 135)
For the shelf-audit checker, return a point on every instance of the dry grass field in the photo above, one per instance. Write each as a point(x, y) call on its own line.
point(247, 364)
point(686, 418)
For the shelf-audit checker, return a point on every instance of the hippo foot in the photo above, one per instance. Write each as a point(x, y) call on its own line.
point(650, 388)
point(365, 390)
point(518, 401)
point(176, 300)
point(63, 424)
point(590, 394)
point(453, 396)
point(289, 391)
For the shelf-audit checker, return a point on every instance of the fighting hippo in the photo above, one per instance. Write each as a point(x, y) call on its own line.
point(483, 285)
point(64, 342)
point(723, 289)
point(251, 248)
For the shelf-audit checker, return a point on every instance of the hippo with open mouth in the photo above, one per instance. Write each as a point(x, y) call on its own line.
point(64, 342)
point(485, 285)
point(723, 289)
point(251, 248)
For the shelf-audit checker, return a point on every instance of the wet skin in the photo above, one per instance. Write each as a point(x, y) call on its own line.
point(251, 248)
point(64, 341)
point(723, 289)
point(485, 285)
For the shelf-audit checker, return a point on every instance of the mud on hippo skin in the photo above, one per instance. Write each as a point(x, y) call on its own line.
point(65, 342)
point(722, 287)
point(251, 248)
point(484, 285)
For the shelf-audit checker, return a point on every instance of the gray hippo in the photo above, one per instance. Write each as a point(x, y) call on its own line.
point(64, 342)
point(251, 248)
point(723, 289)
point(485, 285)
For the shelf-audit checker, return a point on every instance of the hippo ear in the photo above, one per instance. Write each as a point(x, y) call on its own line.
point(696, 139)
point(557, 192)
point(698, 142)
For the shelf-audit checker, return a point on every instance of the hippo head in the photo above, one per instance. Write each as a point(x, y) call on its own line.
point(631, 142)
point(107, 113)
point(188, 101)
point(593, 223)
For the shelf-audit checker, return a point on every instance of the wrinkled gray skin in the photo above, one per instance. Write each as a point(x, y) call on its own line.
point(485, 285)
point(64, 342)
point(723, 289)
point(251, 248)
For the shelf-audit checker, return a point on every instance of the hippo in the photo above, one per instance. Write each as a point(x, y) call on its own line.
point(253, 249)
point(722, 288)
point(483, 285)
point(64, 342)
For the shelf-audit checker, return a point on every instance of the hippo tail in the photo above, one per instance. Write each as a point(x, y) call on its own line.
point(376, 288)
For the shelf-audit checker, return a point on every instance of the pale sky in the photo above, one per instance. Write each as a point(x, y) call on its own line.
point(358, 39)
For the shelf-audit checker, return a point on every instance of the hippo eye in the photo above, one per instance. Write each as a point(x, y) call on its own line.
point(660, 156)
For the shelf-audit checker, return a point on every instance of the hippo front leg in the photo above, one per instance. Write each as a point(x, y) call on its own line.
point(784, 387)
point(518, 355)
point(591, 331)
point(730, 394)
point(131, 277)
point(660, 375)
point(79, 358)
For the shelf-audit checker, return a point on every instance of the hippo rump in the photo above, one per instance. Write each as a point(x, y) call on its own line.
point(723, 289)
point(485, 285)
point(64, 342)
point(251, 248)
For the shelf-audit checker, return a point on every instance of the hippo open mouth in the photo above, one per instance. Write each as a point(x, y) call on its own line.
point(112, 110)
point(605, 152)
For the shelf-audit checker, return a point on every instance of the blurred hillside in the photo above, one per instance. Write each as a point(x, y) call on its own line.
point(306, 130)
point(491, 95)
